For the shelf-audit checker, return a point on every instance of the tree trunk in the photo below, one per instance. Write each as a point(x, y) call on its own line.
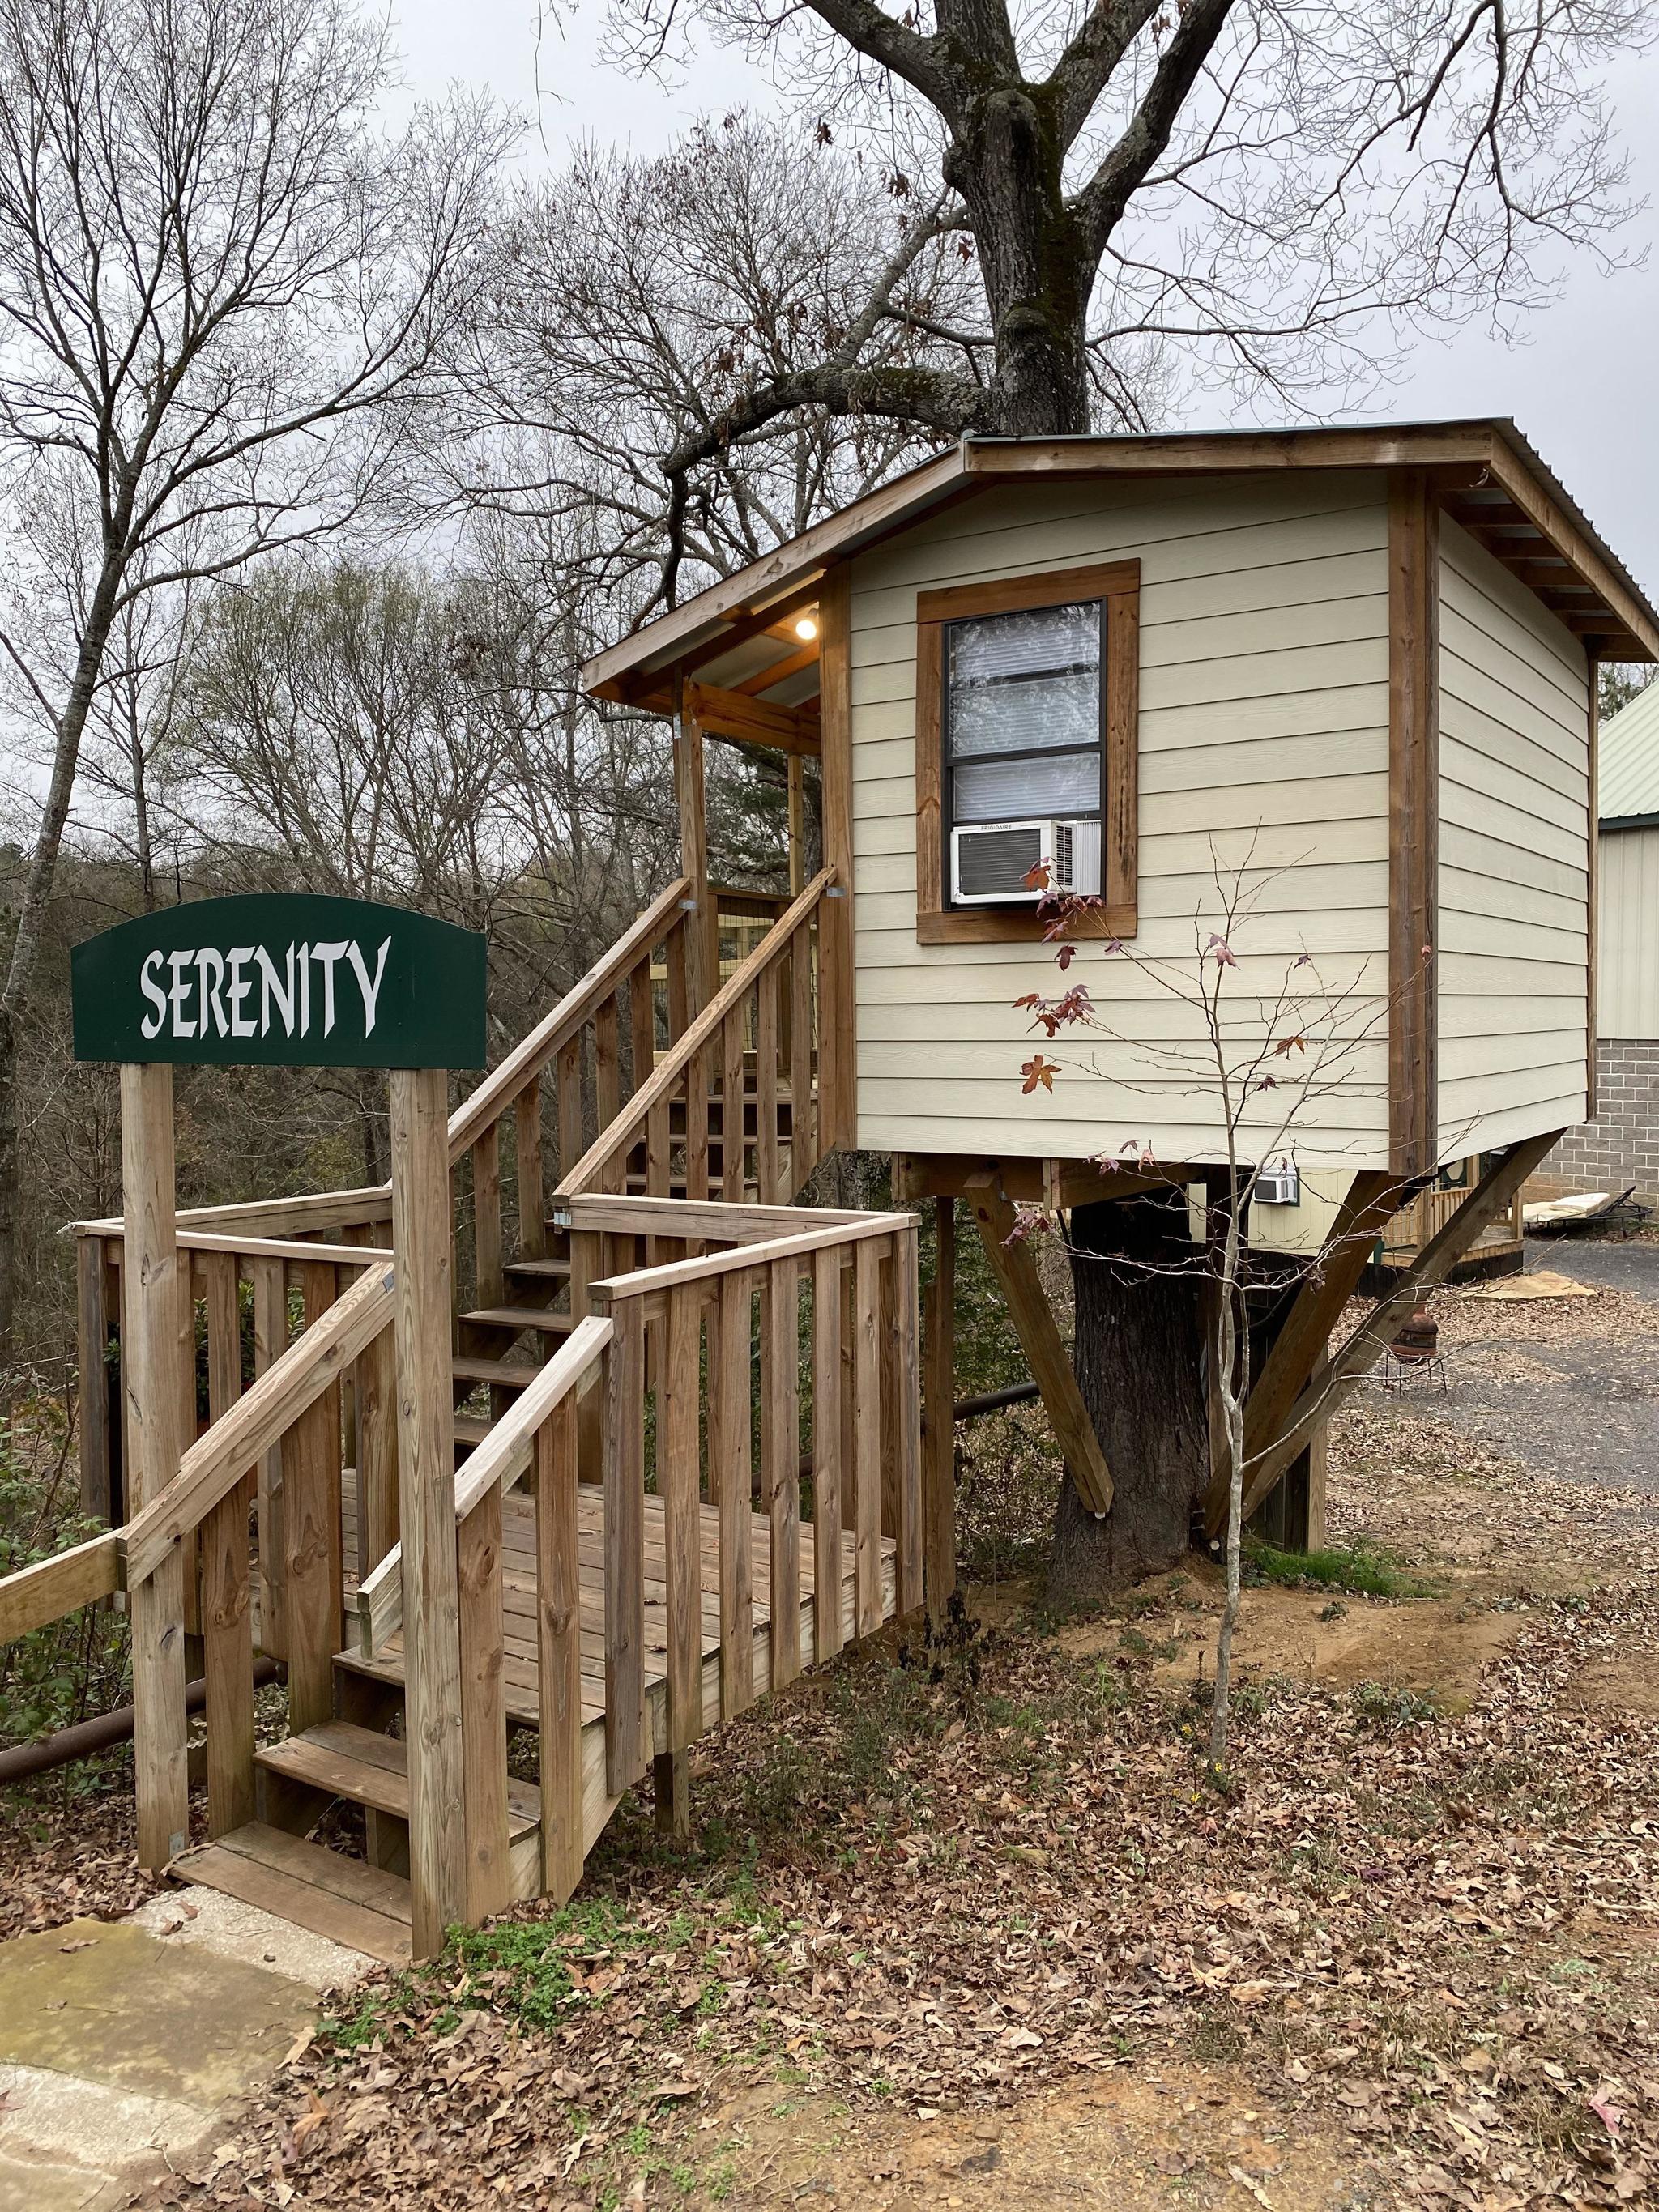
point(1136, 1350)
point(32, 913)
point(1007, 165)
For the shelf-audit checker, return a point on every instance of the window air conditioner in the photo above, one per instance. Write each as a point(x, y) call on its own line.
point(990, 860)
point(1279, 1186)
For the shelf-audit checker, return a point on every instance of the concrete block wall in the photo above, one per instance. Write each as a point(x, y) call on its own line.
point(1621, 1145)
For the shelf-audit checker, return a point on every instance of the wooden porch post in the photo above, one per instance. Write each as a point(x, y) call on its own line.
point(938, 1439)
point(426, 1472)
point(151, 1299)
point(837, 1040)
point(702, 934)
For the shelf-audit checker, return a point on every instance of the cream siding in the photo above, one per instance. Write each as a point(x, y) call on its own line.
point(1264, 717)
point(1512, 959)
point(1628, 941)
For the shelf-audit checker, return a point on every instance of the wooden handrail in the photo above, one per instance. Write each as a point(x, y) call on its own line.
point(279, 1248)
point(505, 1454)
point(51, 1588)
point(332, 1208)
point(502, 1085)
point(626, 1129)
point(677, 1272)
point(722, 1221)
point(217, 1461)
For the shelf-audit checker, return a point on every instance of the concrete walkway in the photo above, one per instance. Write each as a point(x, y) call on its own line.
point(125, 2043)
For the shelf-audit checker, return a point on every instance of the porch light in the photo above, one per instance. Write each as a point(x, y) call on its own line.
point(807, 628)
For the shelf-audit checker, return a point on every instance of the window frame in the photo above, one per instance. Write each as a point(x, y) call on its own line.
point(1116, 585)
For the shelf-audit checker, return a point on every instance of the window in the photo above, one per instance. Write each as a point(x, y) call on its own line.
point(1025, 714)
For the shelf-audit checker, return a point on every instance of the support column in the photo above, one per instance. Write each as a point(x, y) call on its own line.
point(151, 1302)
point(938, 1428)
point(426, 1472)
point(837, 1037)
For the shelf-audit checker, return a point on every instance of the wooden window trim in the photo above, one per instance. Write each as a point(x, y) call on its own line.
point(1116, 582)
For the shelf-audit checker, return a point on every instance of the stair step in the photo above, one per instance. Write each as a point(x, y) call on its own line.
point(521, 1317)
point(471, 1428)
point(373, 1770)
point(537, 1270)
point(501, 1374)
point(321, 1890)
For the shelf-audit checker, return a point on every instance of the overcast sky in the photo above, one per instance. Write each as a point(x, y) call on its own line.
point(1582, 387)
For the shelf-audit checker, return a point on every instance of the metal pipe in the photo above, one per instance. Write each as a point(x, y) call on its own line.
point(993, 1402)
point(20, 1760)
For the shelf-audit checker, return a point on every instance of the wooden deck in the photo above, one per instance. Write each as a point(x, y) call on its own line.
point(521, 1671)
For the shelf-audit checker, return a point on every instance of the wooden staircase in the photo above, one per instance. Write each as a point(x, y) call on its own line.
point(631, 1564)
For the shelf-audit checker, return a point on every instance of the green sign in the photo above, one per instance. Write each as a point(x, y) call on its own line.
point(278, 982)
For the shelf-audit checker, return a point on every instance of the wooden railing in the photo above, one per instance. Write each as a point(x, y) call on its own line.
point(825, 1319)
point(261, 1482)
point(574, 1070)
point(1422, 1218)
point(714, 1057)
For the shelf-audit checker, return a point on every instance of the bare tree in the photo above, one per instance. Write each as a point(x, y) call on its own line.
point(1277, 193)
point(223, 297)
point(637, 301)
point(1270, 1048)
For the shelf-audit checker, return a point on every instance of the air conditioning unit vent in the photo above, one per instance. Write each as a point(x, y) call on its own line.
point(990, 860)
point(1278, 1186)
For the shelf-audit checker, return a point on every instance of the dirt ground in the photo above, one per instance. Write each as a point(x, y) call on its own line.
point(968, 1927)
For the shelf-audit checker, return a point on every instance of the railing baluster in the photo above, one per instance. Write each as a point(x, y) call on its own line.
point(226, 1609)
point(569, 1081)
point(827, 1565)
point(311, 1534)
point(377, 1454)
point(270, 1342)
point(488, 1279)
point(558, 1646)
point(732, 1105)
point(696, 1127)
point(802, 1156)
point(92, 1335)
point(678, 995)
point(642, 1024)
point(766, 1086)
point(677, 1481)
point(867, 1433)
point(626, 1734)
point(730, 1449)
point(781, 1460)
point(607, 1063)
point(527, 1141)
point(483, 1707)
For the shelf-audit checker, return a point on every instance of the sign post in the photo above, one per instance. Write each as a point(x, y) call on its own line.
point(294, 982)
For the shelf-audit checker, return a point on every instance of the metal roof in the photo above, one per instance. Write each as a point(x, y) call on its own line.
point(1627, 762)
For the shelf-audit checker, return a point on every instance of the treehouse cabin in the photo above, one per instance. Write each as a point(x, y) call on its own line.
point(586, 1426)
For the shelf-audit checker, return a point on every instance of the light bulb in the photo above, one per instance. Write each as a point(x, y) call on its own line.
point(806, 629)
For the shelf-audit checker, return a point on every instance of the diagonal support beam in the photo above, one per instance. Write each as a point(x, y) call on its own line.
point(1339, 1378)
point(1029, 1309)
point(1371, 1199)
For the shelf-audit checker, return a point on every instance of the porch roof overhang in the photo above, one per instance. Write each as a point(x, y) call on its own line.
point(1492, 482)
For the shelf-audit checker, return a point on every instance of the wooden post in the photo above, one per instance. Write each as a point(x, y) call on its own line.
point(938, 1425)
point(796, 825)
point(426, 1468)
point(558, 1643)
point(907, 1419)
point(701, 934)
point(150, 1369)
point(527, 1140)
point(484, 1708)
point(490, 1282)
point(837, 1050)
point(270, 1342)
point(377, 1453)
point(311, 1534)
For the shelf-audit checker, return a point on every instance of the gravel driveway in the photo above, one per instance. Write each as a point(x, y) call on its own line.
point(1570, 1387)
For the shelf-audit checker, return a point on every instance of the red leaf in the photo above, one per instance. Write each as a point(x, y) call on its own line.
point(1037, 1070)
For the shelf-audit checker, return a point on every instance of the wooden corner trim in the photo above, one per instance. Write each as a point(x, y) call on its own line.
point(1414, 821)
